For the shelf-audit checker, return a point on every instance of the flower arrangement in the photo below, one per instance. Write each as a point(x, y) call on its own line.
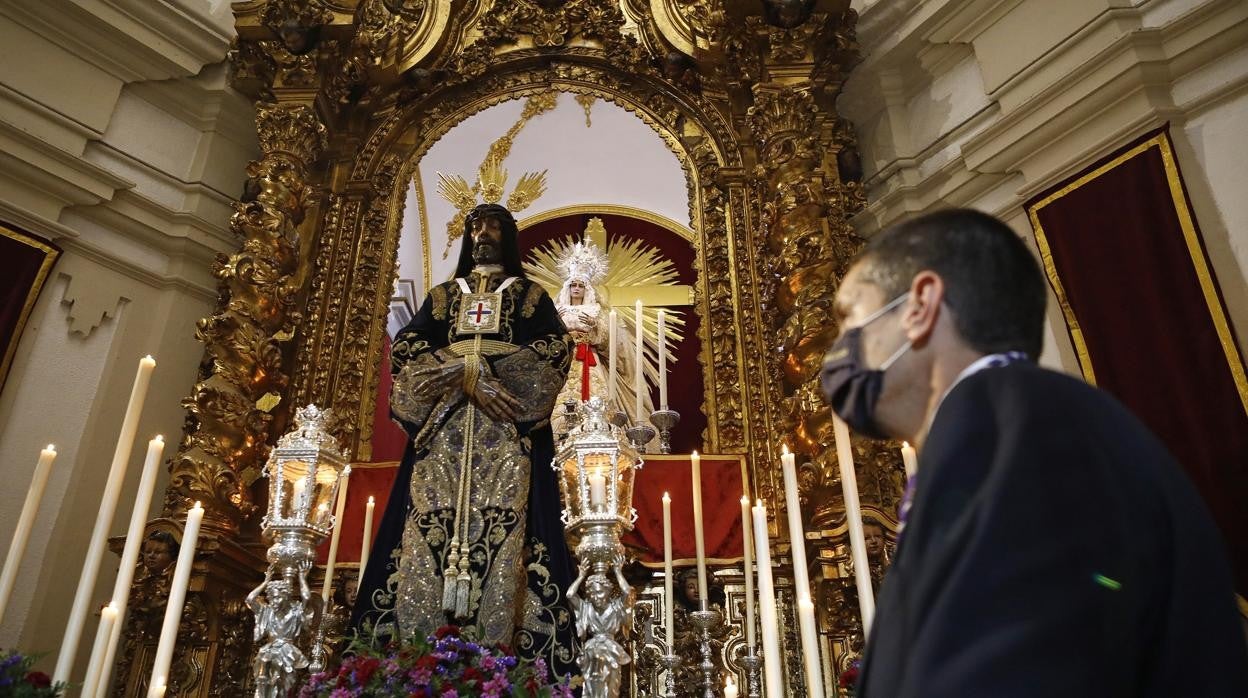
point(17, 680)
point(444, 665)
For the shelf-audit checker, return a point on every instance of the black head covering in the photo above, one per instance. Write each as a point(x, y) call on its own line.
point(511, 247)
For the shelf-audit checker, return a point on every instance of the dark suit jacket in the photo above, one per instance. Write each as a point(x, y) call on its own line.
point(1054, 548)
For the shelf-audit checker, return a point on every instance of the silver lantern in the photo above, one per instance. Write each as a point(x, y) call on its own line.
point(596, 469)
point(303, 472)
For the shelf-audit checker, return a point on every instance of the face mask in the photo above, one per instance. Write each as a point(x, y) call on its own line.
point(851, 388)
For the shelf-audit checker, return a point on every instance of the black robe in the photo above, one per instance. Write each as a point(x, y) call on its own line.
point(533, 369)
point(1054, 548)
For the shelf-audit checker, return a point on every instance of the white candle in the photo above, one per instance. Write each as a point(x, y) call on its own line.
point(367, 543)
point(177, 598)
point(297, 496)
point(698, 538)
point(108, 618)
point(611, 352)
point(908, 457)
point(662, 360)
point(328, 585)
point(801, 577)
point(103, 521)
point(810, 647)
point(669, 590)
point(597, 491)
point(767, 605)
point(853, 514)
point(748, 540)
point(638, 379)
point(17, 547)
point(129, 560)
point(730, 688)
point(157, 690)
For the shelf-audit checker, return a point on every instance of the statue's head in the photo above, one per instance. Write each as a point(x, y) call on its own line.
point(490, 237)
point(598, 590)
point(160, 549)
point(277, 592)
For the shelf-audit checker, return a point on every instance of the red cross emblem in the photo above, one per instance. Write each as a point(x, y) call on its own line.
point(481, 311)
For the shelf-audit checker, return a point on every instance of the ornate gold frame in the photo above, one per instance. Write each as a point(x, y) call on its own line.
point(41, 277)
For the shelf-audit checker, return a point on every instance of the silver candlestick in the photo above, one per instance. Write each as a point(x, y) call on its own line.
point(639, 435)
point(752, 663)
point(665, 421)
point(706, 621)
point(670, 663)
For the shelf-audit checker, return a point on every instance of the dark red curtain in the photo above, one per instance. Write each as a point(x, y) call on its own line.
point(684, 383)
point(367, 479)
point(1126, 260)
point(25, 262)
point(389, 439)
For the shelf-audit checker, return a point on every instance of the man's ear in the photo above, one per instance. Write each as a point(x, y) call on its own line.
point(922, 309)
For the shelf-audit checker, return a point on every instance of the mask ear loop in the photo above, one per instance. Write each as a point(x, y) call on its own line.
point(883, 311)
point(896, 355)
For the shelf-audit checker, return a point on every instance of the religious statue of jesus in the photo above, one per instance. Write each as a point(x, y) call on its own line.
point(471, 534)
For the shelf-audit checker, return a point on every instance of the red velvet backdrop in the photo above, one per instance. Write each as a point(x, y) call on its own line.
point(25, 266)
point(684, 386)
point(1130, 282)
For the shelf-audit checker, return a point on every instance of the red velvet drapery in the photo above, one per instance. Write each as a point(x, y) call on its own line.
point(1126, 260)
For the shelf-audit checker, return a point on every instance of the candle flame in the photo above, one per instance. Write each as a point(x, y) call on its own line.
point(198, 505)
point(905, 444)
point(370, 499)
point(50, 448)
point(160, 438)
point(666, 497)
point(784, 448)
point(759, 503)
point(695, 453)
point(149, 359)
point(745, 500)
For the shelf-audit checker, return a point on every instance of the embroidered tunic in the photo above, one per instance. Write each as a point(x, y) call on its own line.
point(469, 483)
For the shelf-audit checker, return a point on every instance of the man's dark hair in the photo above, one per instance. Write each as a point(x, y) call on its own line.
point(510, 245)
point(993, 283)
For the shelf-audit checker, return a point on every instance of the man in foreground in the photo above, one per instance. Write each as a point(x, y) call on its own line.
point(1053, 548)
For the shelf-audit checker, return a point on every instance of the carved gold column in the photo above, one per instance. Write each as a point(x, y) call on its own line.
point(806, 177)
point(237, 402)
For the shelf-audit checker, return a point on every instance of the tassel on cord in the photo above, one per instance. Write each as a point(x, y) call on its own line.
point(449, 581)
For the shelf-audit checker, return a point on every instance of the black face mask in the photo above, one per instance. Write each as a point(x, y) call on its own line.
point(849, 386)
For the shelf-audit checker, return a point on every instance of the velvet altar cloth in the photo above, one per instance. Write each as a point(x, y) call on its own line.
point(722, 479)
point(1126, 260)
point(27, 262)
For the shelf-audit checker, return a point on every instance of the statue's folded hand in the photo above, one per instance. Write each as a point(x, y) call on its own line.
point(495, 401)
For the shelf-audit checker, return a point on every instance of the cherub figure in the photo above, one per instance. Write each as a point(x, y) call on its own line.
point(599, 618)
point(279, 624)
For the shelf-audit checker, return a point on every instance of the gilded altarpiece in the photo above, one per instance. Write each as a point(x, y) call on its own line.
point(351, 93)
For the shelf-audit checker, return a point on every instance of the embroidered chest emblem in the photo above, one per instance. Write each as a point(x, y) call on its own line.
point(479, 313)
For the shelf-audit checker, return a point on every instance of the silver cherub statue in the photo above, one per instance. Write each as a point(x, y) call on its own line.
point(599, 618)
point(280, 622)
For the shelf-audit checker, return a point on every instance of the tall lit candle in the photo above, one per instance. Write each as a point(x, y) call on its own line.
point(177, 597)
point(611, 352)
point(801, 577)
point(748, 539)
point(129, 560)
point(17, 547)
point(909, 458)
point(669, 598)
point(767, 605)
point(339, 506)
point(638, 377)
point(662, 360)
point(699, 540)
point(297, 496)
point(103, 521)
point(367, 543)
point(108, 619)
point(853, 514)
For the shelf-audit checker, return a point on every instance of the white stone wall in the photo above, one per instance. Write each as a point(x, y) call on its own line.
point(985, 103)
point(122, 144)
